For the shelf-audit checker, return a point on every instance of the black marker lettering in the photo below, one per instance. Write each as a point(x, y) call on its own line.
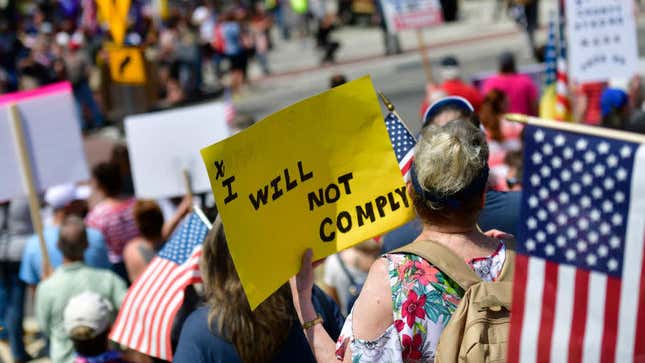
point(290, 183)
point(339, 222)
point(304, 176)
point(277, 192)
point(228, 182)
point(317, 199)
point(368, 212)
point(326, 237)
point(344, 179)
point(336, 193)
point(261, 197)
point(394, 205)
point(404, 196)
point(220, 169)
point(381, 202)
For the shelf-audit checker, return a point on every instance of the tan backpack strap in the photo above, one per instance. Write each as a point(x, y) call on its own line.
point(444, 259)
point(508, 270)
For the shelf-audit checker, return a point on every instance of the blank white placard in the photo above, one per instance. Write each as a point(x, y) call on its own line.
point(162, 144)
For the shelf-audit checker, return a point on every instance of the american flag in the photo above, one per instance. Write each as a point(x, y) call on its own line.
point(402, 141)
point(550, 53)
point(579, 289)
point(148, 310)
point(562, 104)
point(229, 107)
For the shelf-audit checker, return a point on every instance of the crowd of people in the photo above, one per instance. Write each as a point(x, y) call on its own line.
point(49, 42)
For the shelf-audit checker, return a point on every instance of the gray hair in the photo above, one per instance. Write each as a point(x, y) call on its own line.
point(72, 239)
point(448, 158)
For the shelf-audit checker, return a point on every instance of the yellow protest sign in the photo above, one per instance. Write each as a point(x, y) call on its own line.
point(319, 174)
point(115, 12)
point(126, 65)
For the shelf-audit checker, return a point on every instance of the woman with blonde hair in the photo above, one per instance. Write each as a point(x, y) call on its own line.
point(227, 330)
point(406, 302)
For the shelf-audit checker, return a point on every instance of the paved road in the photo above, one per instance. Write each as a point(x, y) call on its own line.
point(401, 77)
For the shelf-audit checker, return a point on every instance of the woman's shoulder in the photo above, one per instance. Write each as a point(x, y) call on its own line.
point(198, 342)
point(412, 277)
point(131, 249)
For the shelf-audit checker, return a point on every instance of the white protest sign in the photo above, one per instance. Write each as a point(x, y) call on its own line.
point(411, 14)
point(53, 137)
point(163, 144)
point(601, 39)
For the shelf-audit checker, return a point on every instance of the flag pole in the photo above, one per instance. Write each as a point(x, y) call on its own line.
point(200, 213)
point(577, 128)
point(195, 208)
point(187, 183)
point(29, 184)
point(427, 66)
point(390, 107)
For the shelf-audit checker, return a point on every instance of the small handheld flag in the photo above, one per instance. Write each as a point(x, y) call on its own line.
point(146, 316)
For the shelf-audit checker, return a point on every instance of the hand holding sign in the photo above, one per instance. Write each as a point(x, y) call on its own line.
point(320, 174)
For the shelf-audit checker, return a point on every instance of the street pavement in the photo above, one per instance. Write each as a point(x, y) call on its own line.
point(476, 40)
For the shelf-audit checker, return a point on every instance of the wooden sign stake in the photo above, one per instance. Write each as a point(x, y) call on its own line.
point(29, 184)
point(427, 67)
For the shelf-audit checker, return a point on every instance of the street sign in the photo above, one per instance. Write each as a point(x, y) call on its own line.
point(115, 12)
point(126, 65)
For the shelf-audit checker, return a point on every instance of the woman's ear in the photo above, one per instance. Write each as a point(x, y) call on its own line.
point(483, 197)
point(408, 188)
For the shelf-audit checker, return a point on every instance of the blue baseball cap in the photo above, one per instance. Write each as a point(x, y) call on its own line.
point(612, 99)
point(438, 106)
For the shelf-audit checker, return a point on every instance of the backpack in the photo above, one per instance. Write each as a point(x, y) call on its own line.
point(478, 329)
point(354, 288)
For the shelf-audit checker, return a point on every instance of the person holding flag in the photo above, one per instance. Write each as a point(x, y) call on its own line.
point(226, 330)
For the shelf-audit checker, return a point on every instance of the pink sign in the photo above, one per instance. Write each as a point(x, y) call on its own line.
point(16, 97)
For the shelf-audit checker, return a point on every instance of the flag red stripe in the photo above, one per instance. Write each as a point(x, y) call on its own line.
point(579, 319)
point(176, 286)
point(549, 293)
point(144, 304)
point(162, 295)
point(407, 166)
point(165, 324)
point(172, 315)
point(157, 293)
point(126, 303)
point(125, 319)
point(610, 326)
point(517, 310)
point(639, 347)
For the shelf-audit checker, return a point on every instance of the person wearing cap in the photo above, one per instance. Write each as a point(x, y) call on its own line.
point(453, 85)
point(87, 319)
point(62, 199)
point(614, 104)
point(70, 279)
point(501, 210)
point(521, 92)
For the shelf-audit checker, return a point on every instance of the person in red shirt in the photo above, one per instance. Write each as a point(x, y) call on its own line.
point(520, 90)
point(587, 106)
point(452, 85)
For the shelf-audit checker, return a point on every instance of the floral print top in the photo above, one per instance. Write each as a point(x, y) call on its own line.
point(423, 300)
